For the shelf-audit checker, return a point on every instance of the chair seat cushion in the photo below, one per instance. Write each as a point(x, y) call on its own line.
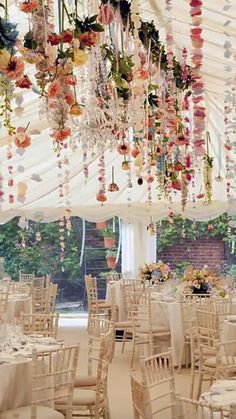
point(124, 324)
point(25, 413)
point(101, 305)
point(85, 381)
point(211, 362)
point(82, 398)
point(155, 329)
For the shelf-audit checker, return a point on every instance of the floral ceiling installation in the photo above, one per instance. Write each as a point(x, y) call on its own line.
point(106, 81)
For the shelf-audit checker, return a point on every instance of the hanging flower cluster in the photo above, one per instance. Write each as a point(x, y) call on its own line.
point(101, 75)
point(11, 70)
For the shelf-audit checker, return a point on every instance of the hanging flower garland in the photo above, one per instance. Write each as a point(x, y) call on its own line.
point(207, 173)
point(229, 108)
point(133, 80)
point(198, 85)
point(11, 69)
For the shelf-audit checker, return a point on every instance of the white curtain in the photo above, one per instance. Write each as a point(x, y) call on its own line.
point(138, 247)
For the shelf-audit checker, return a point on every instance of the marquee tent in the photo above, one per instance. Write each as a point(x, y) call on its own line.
point(37, 166)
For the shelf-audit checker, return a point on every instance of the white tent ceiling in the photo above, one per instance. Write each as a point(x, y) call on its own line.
point(38, 165)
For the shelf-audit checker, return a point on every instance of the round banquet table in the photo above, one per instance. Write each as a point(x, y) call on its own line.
point(17, 304)
point(16, 376)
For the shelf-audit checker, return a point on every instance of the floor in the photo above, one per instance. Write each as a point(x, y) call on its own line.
point(74, 331)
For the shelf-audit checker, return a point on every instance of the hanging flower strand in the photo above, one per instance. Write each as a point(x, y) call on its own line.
point(198, 85)
point(11, 68)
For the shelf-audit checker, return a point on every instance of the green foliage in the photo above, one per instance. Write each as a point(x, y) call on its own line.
point(23, 253)
point(181, 267)
point(232, 271)
point(108, 233)
point(169, 234)
point(111, 253)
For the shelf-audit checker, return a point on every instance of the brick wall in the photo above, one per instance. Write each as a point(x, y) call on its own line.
point(204, 251)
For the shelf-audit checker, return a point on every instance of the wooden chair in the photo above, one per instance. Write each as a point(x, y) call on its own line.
point(52, 296)
point(188, 408)
point(124, 328)
point(96, 307)
point(40, 300)
point(40, 324)
point(95, 401)
point(99, 327)
point(158, 378)
point(145, 332)
point(188, 320)
point(53, 374)
point(26, 277)
point(208, 335)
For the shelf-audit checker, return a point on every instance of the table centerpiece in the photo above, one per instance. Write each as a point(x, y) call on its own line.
point(200, 281)
point(155, 272)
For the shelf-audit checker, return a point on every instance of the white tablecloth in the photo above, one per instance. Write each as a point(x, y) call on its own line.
point(16, 376)
point(15, 384)
point(221, 393)
point(115, 288)
point(18, 303)
point(168, 314)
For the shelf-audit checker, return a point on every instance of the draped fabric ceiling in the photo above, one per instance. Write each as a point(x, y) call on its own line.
point(38, 164)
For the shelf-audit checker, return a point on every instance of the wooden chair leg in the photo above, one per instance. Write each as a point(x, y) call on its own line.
point(192, 380)
point(181, 357)
point(123, 342)
point(200, 379)
point(133, 354)
point(89, 320)
point(136, 414)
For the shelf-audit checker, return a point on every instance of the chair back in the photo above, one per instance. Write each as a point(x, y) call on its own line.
point(39, 282)
point(45, 325)
point(4, 301)
point(208, 327)
point(26, 277)
point(158, 376)
point(53, 379)
point(91, 289)
point(130, 298)
point(19, 287)
point(114, 277)
point(199, 300)
point(99, 327)
point(105, 356)
point(40, 300)
point(223, 306)
point(142, 407)
point(52, 296)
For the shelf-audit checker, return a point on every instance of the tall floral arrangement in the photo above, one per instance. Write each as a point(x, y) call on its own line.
point(201, 281)
point(155, 272)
